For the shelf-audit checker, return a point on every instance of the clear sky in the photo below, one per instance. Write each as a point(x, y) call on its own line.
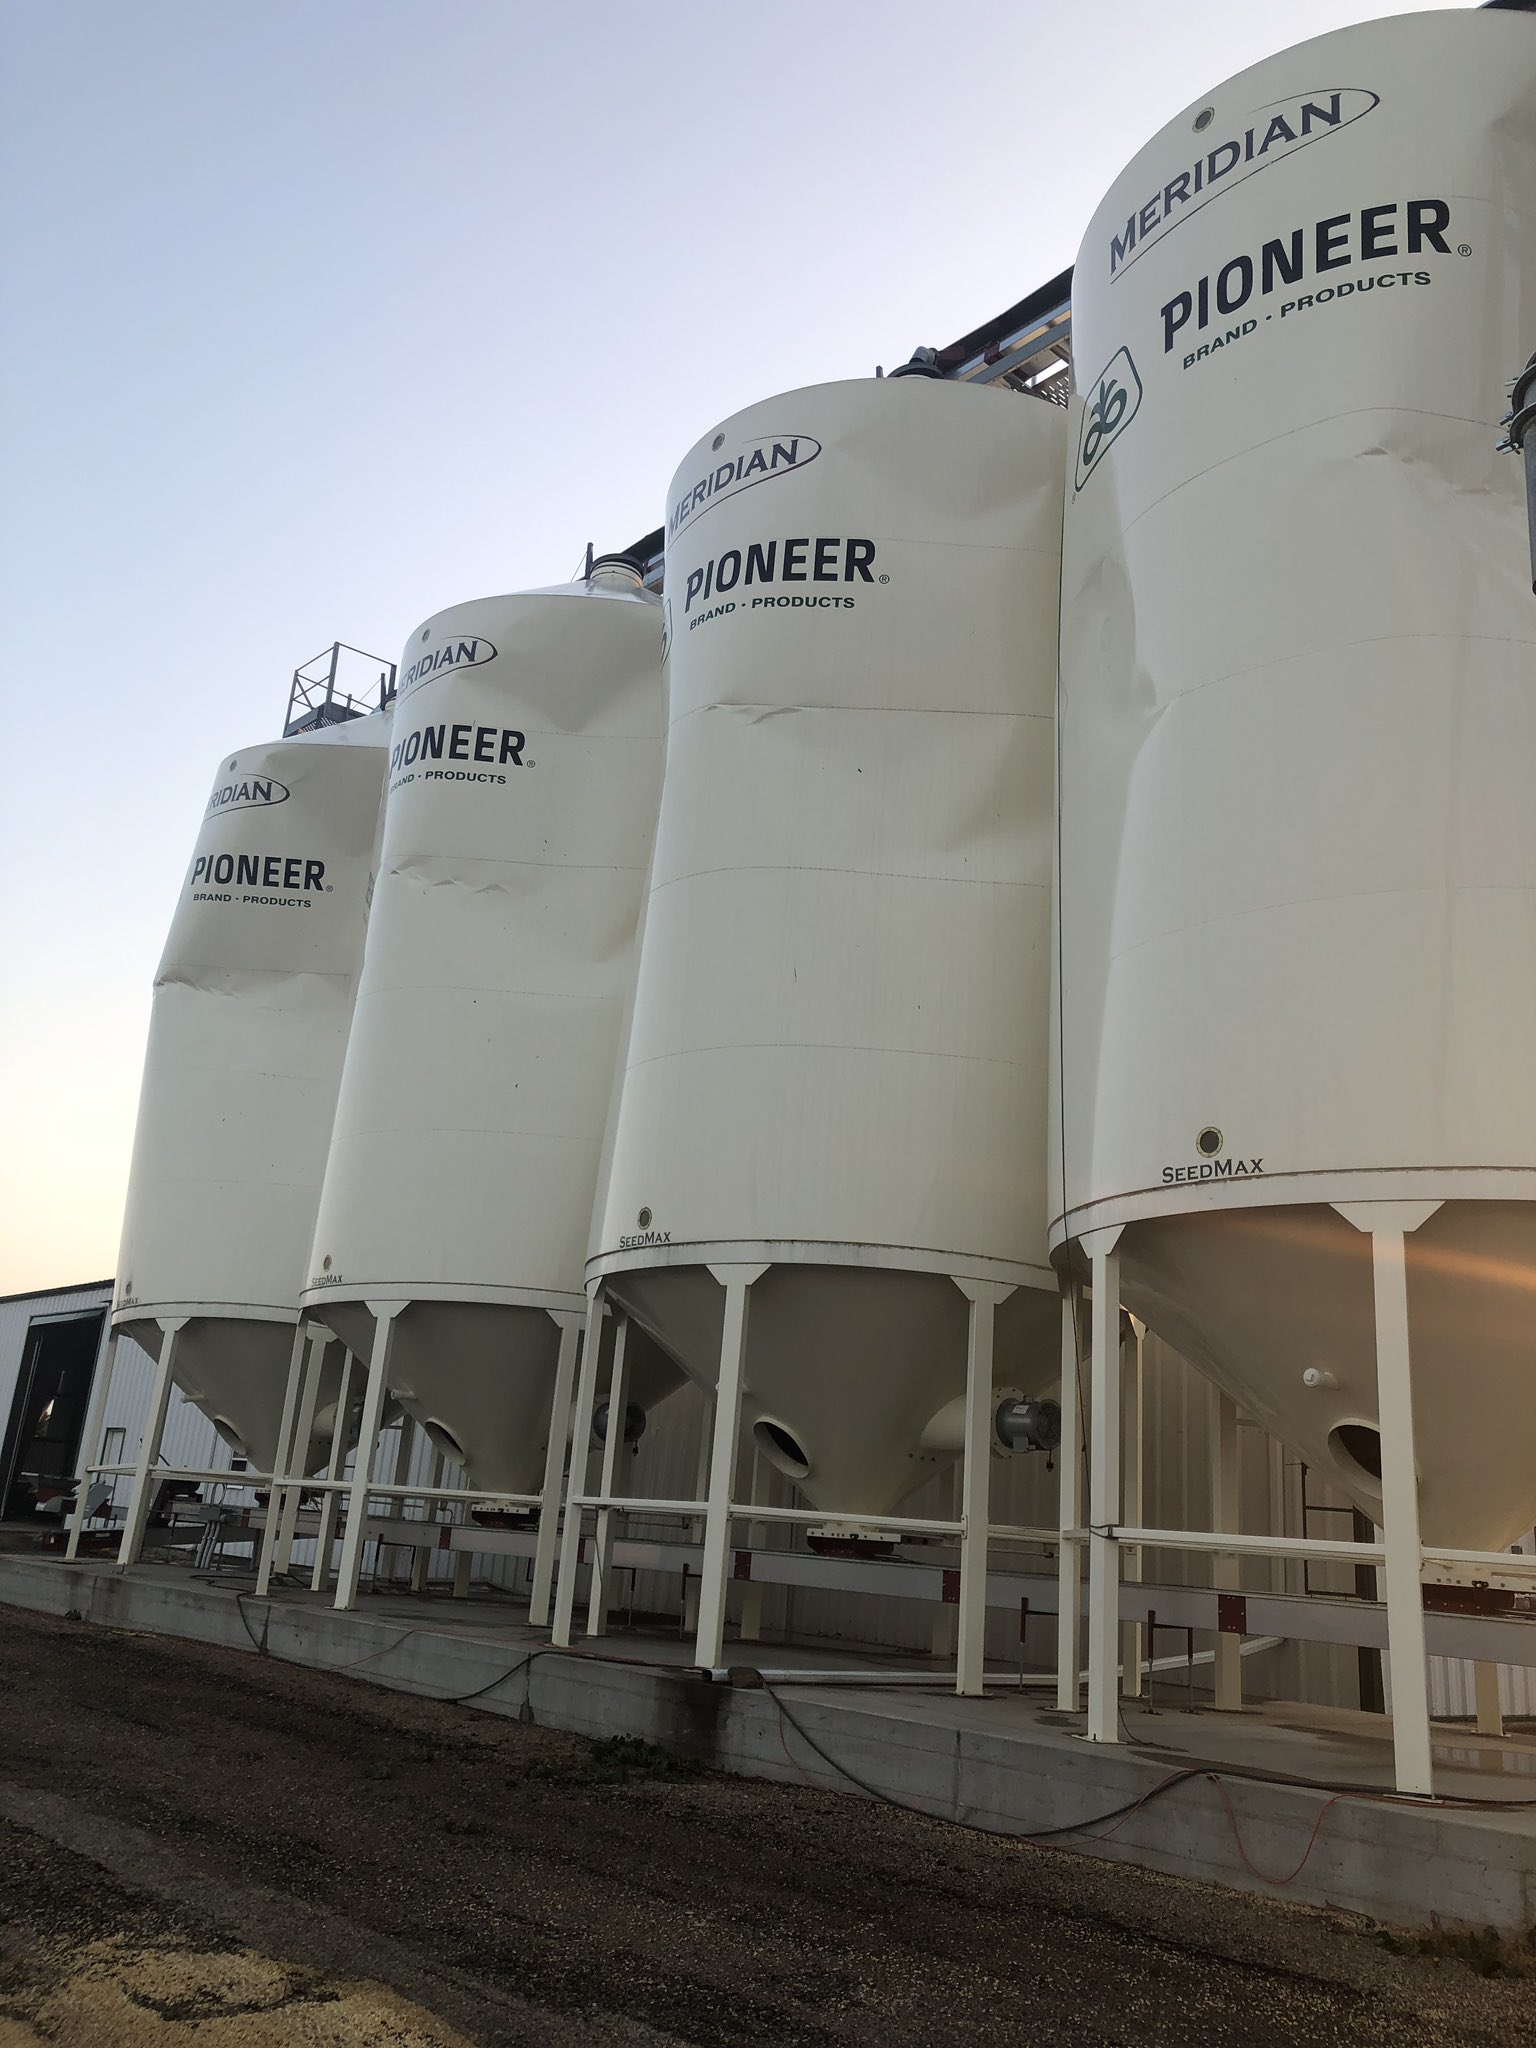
point(319, 315)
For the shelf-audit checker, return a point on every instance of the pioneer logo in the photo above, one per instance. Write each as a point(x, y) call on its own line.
point(773, 455)
point(252, 793)
point(495, 745)
point(1275, 132)
point(826, 558)
point(1342, 241)
point(1110, 403)
point(291, 874)
point(468, 653)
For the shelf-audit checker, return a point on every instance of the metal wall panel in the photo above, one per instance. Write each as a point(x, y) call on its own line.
point(19, 1312)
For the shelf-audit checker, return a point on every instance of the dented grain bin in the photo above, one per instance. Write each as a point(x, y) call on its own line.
point(1298, 871)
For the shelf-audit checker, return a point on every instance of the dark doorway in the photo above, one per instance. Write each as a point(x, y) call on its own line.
point(53, 1388)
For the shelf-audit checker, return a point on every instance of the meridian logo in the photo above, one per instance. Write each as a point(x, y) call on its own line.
point(772, 455)
point(254, 792)
point(1109, 405)
point(1278, 130)
point(452, 654)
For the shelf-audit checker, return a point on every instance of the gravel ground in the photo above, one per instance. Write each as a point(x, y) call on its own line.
point(203, 1848)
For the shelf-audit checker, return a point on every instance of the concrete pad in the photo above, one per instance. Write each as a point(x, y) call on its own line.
point(1278, 1799)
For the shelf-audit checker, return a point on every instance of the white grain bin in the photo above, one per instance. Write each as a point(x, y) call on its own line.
point(838, 1059)
point(1298, 828)
point(523, 788)
point(252, 1003)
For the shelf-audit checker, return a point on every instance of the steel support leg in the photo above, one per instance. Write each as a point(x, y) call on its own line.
point(581, 1444)
point(1275, 1476)
point(1296, 1486)
point(1227, 1665)
point(749, 1620)
point(568, 1322)
point(335, 1469)
point(701, 1464)
point(421, 1560)
point(319, 1341)
point(1400, 1511)
point(281, 1464)
point(608, 1485)
point(1490, 1708)
point(945, 1629)
point(384, 1315)
point(983, 1298)
point(404, 1450)
point(1134, 1452)
point(149, 1446)
point(1069, 1514)
point(91, 1436)
point(944, 1635)
point(737, 1282)
point(696, 1522)
point(1104, 1505)
point(330, 1509)
point(1389, 1225)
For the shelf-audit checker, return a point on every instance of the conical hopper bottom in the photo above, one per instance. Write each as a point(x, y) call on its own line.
point(844, 1366)
point(480, 1377)
point(1256, 1297)
point(235, 1369)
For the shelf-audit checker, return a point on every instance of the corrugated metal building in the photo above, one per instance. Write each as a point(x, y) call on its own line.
point(50, 1346)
